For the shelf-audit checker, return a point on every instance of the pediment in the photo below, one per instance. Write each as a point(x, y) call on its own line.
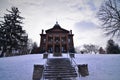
point(57, 28)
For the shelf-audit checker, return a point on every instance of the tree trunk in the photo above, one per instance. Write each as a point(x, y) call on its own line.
point(10, 51)
point(3, 51)
point(2, 54)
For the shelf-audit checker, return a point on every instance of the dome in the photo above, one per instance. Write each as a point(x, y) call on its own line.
point(56, 25)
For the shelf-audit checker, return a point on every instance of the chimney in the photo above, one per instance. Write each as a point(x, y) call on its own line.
point(70, 31)
point(42, 31)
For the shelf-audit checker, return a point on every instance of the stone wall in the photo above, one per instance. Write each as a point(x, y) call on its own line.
point(38, 71)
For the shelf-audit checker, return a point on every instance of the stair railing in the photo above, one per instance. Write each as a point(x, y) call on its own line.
point(74, 64)
point(45, 64)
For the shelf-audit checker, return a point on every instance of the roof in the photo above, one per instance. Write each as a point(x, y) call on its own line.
point(56, 27)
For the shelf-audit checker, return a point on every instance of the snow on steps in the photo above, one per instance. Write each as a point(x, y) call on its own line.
point(59, 68)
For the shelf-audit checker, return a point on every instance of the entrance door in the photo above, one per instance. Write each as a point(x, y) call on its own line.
point(57, 50)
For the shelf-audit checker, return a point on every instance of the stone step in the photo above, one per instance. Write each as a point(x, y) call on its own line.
point(55, 71)
point(50, 71)
point(63, 64)
point(61, 74)
point(68, 78)
point(59, 66)
point(65, 76)
point(62, 68)
point(59, 78)
point(55, 78)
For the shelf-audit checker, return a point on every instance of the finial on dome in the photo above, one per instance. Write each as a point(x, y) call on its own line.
point(56, 25)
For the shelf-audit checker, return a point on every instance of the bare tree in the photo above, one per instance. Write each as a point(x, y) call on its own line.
point(34, 49)
point(101, 51)
point(91, 48)
point(109, 14)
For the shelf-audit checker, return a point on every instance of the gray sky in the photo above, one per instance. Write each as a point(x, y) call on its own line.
point(76, 15)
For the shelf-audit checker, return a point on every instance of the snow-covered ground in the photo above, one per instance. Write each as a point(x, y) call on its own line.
point(101, 66)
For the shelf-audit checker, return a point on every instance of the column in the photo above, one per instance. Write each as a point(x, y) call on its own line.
point(60, 44)
point(67, 42)
point(46, 42)
point(53, 44)
point(72, 42)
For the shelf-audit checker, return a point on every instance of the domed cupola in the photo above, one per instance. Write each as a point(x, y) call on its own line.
point(57, 25)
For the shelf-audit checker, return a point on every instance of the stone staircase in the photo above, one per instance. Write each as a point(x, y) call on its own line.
point(59, 69)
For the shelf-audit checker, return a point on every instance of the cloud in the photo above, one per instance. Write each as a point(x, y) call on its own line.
point(88, 33)
point(85, 25)
point(3, 6)
point(78, 15)
point(91, 5)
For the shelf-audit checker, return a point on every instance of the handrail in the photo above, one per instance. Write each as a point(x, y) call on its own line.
point(75, 65)
point(44, 68)
point(74, 61)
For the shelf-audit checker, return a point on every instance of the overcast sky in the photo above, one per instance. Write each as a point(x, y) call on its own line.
point(76, 15)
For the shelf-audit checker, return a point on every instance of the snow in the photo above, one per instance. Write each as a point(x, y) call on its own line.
point(19, 68)
point(101, 66)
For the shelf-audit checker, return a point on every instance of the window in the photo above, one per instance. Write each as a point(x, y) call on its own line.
point(50, 39)
point(44, 40)
point(57, 39)
point(68, 40)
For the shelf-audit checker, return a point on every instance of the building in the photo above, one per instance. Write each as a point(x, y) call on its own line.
point(56, 40)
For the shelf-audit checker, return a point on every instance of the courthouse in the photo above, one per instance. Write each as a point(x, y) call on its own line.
point(56, 40)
